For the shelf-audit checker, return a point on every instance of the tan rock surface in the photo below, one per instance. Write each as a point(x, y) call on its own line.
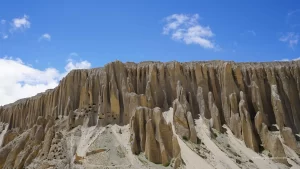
point(112, 94)
point(214, 111)
point(152, 149)
point(248, 131)
point(151, 134)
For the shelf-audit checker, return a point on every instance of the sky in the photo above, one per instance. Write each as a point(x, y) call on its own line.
point(41, 41)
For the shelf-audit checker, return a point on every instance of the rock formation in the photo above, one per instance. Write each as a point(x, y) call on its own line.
point(250, 98)
point(151, 134)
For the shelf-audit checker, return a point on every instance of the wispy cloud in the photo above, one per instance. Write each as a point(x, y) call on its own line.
point(292, 18)
point(21, 23)
point(251, 32)
point(296, 59)
point(185, 28)
point(248, 32)
point(293, 12)
point(291, 38)
point(283, 60)
point(4, 36)
point(295, 25)
point(45, 36)
point(287, 60)
point(235, 44)
point(73, 54)
point(16, 24)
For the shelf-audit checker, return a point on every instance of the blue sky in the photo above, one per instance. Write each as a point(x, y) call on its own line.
point(47, 34)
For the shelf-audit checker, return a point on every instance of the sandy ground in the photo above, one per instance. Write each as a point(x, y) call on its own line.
point(225, 151)
point(109, 148)
point(191, 159)
point(106, 147)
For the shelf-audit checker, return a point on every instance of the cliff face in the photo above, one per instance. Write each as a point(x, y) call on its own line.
point(260, 102)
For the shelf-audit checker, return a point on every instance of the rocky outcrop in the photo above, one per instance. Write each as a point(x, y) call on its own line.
point(248, 132)
point(183, 120)
point(47, 143)
point(250, 98)
point(20, 160)
point(151, 134)
point(9, 152)
point(192, 130)
point(152, 148)
point(289, 139)
point(214, 111)
point(235, 120)
point(272, 143)
point(87, 116)
point(8, 137)
point(57, 149)
point(180, 120)
point(270, 140)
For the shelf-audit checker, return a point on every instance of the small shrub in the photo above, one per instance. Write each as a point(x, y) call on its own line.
point(199, 141)
point(185, 138)
point(270, 155)
point(167, 164)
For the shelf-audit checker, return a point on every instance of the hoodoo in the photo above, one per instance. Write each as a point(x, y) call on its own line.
point(159, 110)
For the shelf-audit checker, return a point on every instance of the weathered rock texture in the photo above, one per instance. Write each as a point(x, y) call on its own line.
point(250, 98)
point(151, 134)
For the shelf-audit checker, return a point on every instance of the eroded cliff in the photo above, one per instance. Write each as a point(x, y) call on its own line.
point(259, 102)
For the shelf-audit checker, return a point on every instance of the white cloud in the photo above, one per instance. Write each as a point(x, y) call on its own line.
point(21, 23)
point(291, 38)
point(186, 28)
point(296, 59)
point(45, 36)
point(18, 80)
point(77, 65)
point(287, 60)
point(283, 60)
